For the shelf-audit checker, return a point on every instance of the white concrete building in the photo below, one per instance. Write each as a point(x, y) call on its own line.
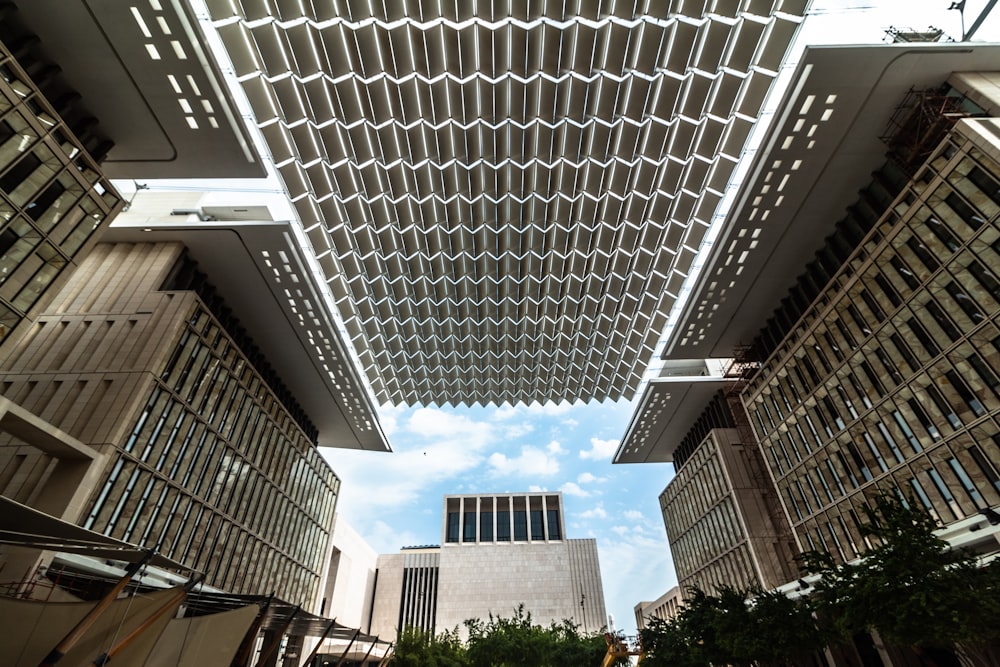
point(498, 552)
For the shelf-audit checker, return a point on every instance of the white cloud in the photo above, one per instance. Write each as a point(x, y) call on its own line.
point(534, 488)
point(436, 447)
point(621, 530)
point(594, 513)
point(588, 478)
point(514, 431)
point(531, 462)
point(635, 515)
point(572, 489)
point(555, 448)
point(599, 449)
point(435, 422)
point(522, 411)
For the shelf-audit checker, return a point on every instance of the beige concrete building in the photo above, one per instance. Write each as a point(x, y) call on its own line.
point(723, 521)
point(664, 608)
point(498, 552)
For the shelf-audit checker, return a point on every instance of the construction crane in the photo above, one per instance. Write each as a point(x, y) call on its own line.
point(620, 646)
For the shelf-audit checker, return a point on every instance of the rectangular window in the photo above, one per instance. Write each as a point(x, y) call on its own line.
point(486, 526)
point(964, 211)
point(984, 371)
point(925, 421)
point(925, 338)
point(469, 527)
point(966, 481)
point(452, 527)
point(985, 465)
point(985, 278)
point(943, 234)
point(537, 525)
point(964, 301)
point(986, 183)
point(907, 432)
point(965, 393)
point(520, 526)
point(904, 272)
point(554, 530)
point(503, 526)
point(905, 352)
point(945, 493)
point(925, 256)
point(943, 321)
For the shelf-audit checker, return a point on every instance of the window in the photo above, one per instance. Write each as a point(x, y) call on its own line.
point(985, 278)
point(904, 272)
point(966, 481)
point(964, 301)
point(943, 234)
point(452, 527)
point(469, 527)
point(925, 421)
point(537, 525)
point(503, 526)
point(964, 211)
point(520, 526)
point(904, 351)
point(965, 393)
point(554, 530)
point(486, 526)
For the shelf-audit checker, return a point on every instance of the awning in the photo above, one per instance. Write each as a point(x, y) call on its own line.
point(23, 526)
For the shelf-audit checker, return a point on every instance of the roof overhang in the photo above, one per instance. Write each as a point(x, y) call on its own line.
point(24, 526)
point(259, 271)
point(668, 409)
point(145, 72)
point(819, 152)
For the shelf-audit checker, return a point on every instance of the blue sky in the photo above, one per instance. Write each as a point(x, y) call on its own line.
point(395, 500)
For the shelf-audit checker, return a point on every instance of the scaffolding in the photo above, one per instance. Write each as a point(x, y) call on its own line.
point(919, 123)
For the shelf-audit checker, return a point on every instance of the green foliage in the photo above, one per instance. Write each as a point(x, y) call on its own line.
point(415, 648)
point(910, 588)
point(516, 642)
point(735, 627)
point(502, 642)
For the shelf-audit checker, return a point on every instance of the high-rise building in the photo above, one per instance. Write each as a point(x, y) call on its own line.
point(210, 455)
point(664, 608)
point(870, 367)
point(498, 552)
point(190, 359)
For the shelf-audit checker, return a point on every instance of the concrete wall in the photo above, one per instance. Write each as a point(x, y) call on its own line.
point(549, 579)
point(350, 582)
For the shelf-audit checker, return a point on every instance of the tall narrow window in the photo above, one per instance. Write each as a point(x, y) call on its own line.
point(554, 530)
point(469, 527)
point(520, 526)
point(452, 527)
point(503, 526)
point(486, 526)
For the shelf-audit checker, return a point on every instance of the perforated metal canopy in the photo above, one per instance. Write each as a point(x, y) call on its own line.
point(505, 197)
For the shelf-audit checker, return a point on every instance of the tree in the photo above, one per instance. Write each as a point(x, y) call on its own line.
point(416, 648)
point(735, 627)
point(911, 587)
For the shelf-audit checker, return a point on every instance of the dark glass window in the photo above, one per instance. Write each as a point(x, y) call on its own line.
point(985, 278)
point(520, 526)
point(907, 431)
point(925, 338)
point(964, 211)
point(904, 272)
point(943, 234)
point(873, 448)
point(925, 421)
point(887, 289)
point(943, 406)
point(987, 467)
point(905, 352)
point(503, 526)
point(925, 256)
point(984, 371)
point(943, 321)
point(452, 527)
point(963, 390)
point(20, 171)
point(873, 305)
point(469, 527)
point(963, 478)
point(964, 301)
point(486, 526)
point(537, 525)
point(554, 533)
point(986, 183)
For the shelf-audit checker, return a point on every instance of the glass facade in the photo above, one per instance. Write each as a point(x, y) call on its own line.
point(509, 518)
point(707, 540)
point(53, 196)
point(218, 474)
point(890, 379)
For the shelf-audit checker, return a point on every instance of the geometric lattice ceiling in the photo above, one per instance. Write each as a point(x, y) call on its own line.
point(505, 197)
